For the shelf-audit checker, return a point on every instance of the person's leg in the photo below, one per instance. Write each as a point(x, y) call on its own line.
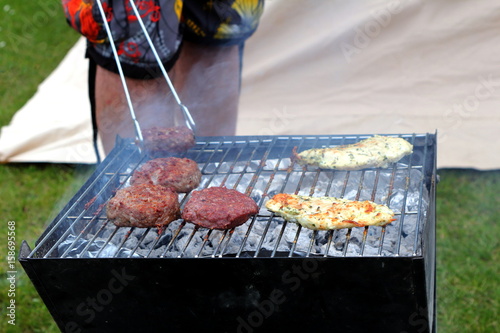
point(207, 81)
point(151, 99)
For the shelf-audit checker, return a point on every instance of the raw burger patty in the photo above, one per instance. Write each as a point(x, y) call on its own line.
point(219, 208)
point(181, 174)
point(172, 139)
point(143, 206)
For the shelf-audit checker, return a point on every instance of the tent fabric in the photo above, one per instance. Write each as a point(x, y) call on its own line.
point(326, 67)
point(54, 125)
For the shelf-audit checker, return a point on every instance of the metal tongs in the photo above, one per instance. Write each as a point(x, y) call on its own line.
point(187, 116)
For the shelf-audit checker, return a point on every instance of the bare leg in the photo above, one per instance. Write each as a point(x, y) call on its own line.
point(206, 79)
point(150, 98)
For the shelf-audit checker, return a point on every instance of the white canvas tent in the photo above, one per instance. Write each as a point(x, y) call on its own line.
point(325, 67)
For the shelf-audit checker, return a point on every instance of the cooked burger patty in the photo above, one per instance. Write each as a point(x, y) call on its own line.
point(181, 174)
point(219, 208)
point(172, 139)
point(143, 206)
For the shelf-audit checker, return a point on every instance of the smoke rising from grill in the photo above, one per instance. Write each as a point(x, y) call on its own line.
point(206, 80)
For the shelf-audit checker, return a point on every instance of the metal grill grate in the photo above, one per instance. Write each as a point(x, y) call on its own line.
point(259, 167)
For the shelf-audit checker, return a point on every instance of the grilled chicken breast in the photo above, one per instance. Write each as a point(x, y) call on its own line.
point(327, 213)
point(375, 152)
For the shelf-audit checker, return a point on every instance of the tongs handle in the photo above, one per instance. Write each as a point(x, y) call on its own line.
point(137, 127)
point(187, 115)
point(189, 119)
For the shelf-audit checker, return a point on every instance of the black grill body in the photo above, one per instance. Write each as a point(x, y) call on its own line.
point(256, 290)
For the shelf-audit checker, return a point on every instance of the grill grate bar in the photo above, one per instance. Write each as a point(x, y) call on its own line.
point(143, 237)
point(265, 194)
point(124, 240)
point(231, 168)
point(245, 168)
point(358, 194)
point(191, 235)
point(93, 239)
point(231, 233)
point(250, 187)
point(297, 190)
point(205, 241)
point(342, 194)
point(97, 213)
point(63, 219)
point(237, 182)
point(390, 190)
point(311, 243)
point(89, 225)
point(245, 237)
point(329, 232)
point(112, 177)
point(403, 207)
point(329, 243)
point(221, 240)
point(420, 197)
point(162, 231)
point(219, 164)
point(346, 243)
point(259, 170)
point(348, 234)
point(372, 198)
point(107, 242)
point(171, 243)
point(259, 247)
point(280, 236)
point(295, 240)
point(311, 193)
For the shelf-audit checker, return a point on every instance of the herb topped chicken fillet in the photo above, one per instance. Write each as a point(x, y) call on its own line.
point(375, 152)
point(327, 213)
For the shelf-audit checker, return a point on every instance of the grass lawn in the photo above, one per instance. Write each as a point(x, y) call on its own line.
point(33, 39)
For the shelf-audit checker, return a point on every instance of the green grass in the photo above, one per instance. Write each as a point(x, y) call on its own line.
point(468, 202)
point(468, 256)
point(34, 37)
point(32, 195)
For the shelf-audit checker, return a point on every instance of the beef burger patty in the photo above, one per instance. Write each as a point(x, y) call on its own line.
point(143, 206)
point(219, 208)
point(181, 174)
point(172, 139)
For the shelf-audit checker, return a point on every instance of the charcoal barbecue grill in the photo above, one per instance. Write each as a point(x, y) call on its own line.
point(267, 274)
